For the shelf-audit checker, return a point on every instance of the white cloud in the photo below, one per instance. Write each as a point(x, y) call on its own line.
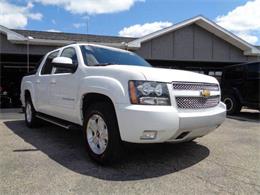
point(13, 16)
point(53, 30)
point(35, 16)
point(244, 21)
point(79, 25)
point(139, 30)
point(248, 37)
point(92, 6)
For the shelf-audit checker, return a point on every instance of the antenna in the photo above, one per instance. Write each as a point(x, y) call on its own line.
point(87, 26)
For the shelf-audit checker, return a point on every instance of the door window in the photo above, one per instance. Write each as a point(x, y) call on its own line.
point(69, 53)
point(235, 73)
point(47, 67)
point(254, 70)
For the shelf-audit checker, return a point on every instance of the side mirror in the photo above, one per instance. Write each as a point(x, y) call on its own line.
point(64, 62)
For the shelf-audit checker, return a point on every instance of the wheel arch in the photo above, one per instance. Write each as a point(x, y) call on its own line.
point(28, 90)
point(27, 94)
point(89, 99)
point(235, 92)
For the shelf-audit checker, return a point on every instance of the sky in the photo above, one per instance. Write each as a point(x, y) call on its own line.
point(130, 18)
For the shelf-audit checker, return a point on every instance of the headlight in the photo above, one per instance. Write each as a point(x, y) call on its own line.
point(149, 93)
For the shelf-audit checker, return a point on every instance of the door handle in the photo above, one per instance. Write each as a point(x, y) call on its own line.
point(38, 81)
point(53, 82)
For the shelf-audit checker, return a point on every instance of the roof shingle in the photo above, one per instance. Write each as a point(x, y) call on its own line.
point(73, 36)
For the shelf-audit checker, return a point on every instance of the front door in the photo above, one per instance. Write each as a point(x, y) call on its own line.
point(63, 89)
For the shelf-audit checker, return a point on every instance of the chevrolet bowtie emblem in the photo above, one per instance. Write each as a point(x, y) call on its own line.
point(205, 93)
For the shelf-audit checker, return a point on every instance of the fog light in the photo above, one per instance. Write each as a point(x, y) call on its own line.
point(149, 135)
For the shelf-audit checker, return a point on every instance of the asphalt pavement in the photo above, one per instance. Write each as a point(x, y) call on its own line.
point(52, 160)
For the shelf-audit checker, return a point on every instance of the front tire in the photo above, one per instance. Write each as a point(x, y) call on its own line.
point(232, 104)
point(101, 133)
point(30, 114)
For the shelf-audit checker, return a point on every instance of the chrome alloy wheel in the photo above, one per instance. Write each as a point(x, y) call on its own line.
point(28, 111)
point(97, 134)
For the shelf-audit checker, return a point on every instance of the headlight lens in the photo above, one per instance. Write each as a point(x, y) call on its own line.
point(149, 93)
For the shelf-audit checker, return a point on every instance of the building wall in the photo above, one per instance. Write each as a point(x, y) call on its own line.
point(6, 47)
point(191, 43)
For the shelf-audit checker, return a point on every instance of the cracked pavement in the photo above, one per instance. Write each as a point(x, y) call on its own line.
point(51, 160)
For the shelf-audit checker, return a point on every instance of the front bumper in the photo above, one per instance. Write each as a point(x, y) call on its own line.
point(171, 125)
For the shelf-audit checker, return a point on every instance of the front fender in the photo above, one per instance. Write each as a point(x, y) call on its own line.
point(107, 86)
point(234, 91)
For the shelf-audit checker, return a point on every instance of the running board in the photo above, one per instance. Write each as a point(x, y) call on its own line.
point(56, 121)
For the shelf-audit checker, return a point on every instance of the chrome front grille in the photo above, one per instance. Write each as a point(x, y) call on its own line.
point(195, 86)
point(197, 102)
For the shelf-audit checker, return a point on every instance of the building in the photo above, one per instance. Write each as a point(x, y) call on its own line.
point(196, 44)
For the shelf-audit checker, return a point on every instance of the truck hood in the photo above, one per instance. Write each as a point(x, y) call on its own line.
point(166, 75)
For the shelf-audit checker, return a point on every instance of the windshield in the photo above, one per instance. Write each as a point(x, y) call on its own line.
point(95, 56)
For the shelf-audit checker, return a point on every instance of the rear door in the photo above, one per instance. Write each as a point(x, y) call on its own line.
point(42, 84)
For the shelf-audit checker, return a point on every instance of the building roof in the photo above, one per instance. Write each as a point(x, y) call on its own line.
point(60, 38)
point(207, 25)
point(72, 36)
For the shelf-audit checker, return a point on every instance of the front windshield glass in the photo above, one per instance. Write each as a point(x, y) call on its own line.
point(95, 56)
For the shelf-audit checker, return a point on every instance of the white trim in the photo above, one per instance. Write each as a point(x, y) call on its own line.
point(137, 42)
point(207, 25)
point(43, 42)
point(11, 35)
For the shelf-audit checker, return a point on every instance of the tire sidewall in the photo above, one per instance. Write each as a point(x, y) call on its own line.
point(234, 103)
point(112, 149)
point(33, 121)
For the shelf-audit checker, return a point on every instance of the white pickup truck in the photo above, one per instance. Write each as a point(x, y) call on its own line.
point(117, 96)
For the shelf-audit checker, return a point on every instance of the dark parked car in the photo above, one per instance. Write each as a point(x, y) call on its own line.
point(240, 86)
point(5, 100)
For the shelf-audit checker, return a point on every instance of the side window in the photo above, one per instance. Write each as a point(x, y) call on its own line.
point(38, 64)
point(47, 67)
point(254, 70)
point(69, 53)
point(235, 73)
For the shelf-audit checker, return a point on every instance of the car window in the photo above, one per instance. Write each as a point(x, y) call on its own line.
point(38, 64)
point(69, 53)
point(47, 67)
point(94, 56)
point(254, 70)
point(234, 73)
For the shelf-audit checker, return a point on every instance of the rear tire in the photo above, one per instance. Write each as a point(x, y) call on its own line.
point(30, 114)
point(101, 133)
point(233, 105)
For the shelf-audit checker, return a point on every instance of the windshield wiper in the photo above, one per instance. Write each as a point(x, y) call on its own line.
point(103, 64)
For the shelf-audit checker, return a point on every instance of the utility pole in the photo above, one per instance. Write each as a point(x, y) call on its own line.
point(28, 53)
